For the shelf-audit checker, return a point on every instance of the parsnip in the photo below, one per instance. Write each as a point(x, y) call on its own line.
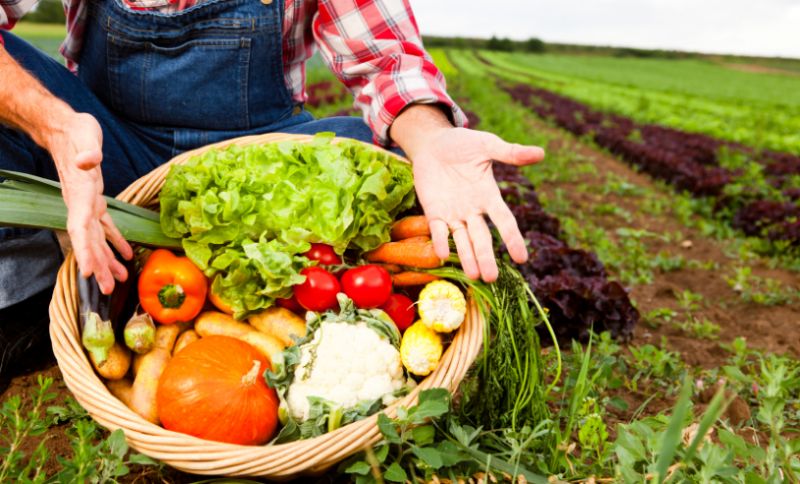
point(221, 324)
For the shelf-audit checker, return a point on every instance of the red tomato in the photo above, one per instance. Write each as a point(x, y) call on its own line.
point(368, 286)
point(401, 309)
point(290, 303)
point(324, 254)
point(318, 292)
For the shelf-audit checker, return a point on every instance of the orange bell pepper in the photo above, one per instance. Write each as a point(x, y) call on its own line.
point(171, 288)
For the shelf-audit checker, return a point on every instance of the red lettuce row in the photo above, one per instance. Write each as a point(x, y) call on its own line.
point(688, 161)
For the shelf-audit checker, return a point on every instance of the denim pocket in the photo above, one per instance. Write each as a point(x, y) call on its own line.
point(200, 83)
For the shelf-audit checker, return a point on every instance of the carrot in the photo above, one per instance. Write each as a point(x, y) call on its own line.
point(280, 323)
point(412, 278)
point(418, 254)
point(392, 268)
point(116, 365)
point(187, 337)
point(215, 323)
point(410, 227)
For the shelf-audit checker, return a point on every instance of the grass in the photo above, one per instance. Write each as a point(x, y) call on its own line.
point(47, 37)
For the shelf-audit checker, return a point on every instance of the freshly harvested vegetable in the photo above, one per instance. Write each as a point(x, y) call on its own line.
point(412, 278)
point(116, 365)
point(249, 213)
point(324, 254)
point(150, 367)
point(216, 300)
point(185, 339)
point(97, 331)
point(171, 288)
point(346, 368)
point(291, 304)
point(421, 349)
point(369, 286)
point(442, 306)
point(280, 323)
point(32, 201)
point(140, 333)
point(213, 390)
point(211, 323)
point(401, 309)
point(318, 292)
point(122, 389)
point(409, 252)
point(412, 226)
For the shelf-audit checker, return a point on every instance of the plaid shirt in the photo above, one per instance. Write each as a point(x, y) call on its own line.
point(372, 46)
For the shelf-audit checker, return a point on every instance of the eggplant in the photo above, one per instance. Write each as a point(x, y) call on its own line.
point(97, 330)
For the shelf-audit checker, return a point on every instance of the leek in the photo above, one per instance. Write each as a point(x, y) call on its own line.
point(34, 202)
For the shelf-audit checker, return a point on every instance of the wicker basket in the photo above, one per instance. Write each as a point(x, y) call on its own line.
point(200, 456)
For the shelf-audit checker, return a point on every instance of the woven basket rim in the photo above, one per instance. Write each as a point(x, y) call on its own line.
point(198, 456)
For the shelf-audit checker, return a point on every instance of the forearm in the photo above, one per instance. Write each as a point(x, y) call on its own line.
point(416, 125)
point(25, 104)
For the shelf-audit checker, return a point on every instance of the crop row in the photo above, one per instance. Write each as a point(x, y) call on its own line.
point(758, 192)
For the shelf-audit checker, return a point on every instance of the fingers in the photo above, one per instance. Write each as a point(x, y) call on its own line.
point(465, 252)
point(482, 245)
point(507, 226)
point(440, 236)
point(115, 236)
point(512, 153)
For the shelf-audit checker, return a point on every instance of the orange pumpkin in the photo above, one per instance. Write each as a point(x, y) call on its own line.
point(214, 389)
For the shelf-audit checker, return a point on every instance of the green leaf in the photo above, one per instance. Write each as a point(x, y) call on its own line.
point(429, 456)
point(395, 473)
point(432, 403)
point(358, 467)
point(117, 444)
point(381, 452)
point(671, 439)
point(423, 435)
point(388, 429)
point(142, 460)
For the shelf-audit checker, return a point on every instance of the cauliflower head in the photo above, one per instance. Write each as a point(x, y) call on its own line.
point(345, 363)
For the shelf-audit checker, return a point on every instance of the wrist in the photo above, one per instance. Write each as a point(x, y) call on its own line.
point(417, 126)
point(51, 131)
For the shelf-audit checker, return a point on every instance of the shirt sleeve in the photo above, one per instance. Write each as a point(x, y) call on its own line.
point(374, 48)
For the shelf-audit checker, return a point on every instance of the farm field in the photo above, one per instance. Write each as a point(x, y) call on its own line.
point(664, 226)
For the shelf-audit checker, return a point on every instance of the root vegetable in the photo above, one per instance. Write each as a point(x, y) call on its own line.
point(122, 389)
point(212, 323)
point(280, 323)
point(412, 226)
point(185, 339)
point(412, 278)
point(116, 364)
point(140, 333)
point(148, 370)
point(419, 254)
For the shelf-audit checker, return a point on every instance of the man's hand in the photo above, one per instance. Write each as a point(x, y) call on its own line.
point(76, 147)
point(456, 186)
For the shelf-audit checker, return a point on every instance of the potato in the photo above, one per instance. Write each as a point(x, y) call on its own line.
point(221, 324)
point(185, 339)
point(280, 323)
point(116, 365)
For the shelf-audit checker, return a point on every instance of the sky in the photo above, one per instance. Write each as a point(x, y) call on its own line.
point(748, 27)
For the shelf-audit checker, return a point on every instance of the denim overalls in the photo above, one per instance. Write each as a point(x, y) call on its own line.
point(159, 84)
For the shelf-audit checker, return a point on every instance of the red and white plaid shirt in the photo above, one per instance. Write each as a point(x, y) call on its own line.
point(372, 46)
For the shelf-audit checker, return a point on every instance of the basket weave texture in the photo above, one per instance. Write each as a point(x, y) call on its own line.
point(198, 456)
